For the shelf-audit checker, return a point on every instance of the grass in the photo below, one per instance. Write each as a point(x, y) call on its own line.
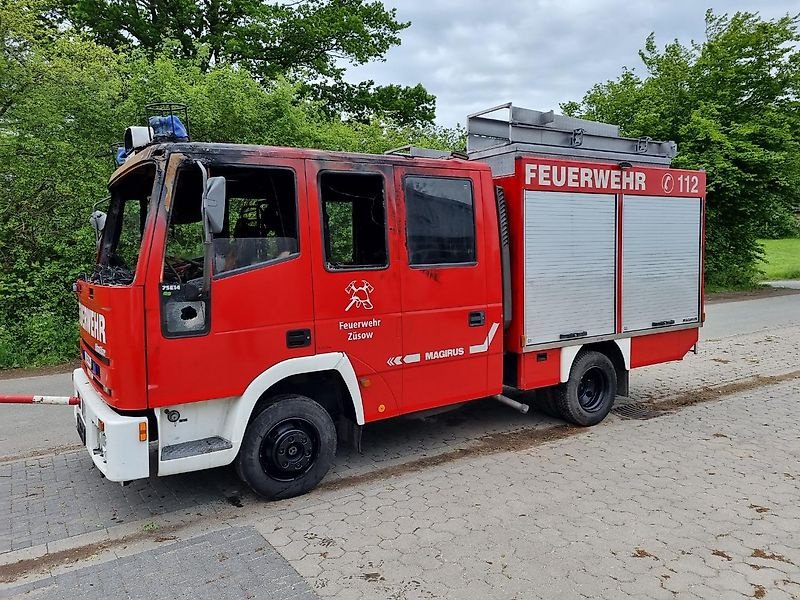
point(781, 259)
point(711, 288)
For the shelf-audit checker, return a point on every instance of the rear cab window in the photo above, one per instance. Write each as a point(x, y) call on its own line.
point(440, 220)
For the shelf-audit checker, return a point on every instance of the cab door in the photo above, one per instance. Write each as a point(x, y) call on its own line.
point(356, 274)
point(448, 324)
point(258, 312)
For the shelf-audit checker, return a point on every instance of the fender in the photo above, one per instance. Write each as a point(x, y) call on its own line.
point(569, 353)
point(228, 417)
point(331, 361)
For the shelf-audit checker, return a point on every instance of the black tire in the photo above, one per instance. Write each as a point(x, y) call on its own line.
point(589, 393)
point(287, 448)
point(545, 401)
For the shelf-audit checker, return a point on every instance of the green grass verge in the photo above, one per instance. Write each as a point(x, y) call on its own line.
point(781, 259)
point(710, 288)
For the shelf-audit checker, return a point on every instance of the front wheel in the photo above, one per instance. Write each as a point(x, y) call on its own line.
point(288, 448)
point(589, 393)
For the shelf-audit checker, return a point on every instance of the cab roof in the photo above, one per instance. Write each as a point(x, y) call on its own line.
point(232, 152)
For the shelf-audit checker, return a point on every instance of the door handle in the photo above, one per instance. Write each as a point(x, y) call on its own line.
point(573, 335)
point(477, 318)
point(663, 323)
point(298, 338)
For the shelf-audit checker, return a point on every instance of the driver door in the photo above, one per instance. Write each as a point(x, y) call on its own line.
point(258, 311)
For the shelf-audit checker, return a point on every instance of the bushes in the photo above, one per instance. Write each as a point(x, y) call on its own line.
point(55, 152)
point(731, 104)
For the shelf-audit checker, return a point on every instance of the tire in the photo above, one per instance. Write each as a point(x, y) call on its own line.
point(287, 448)
point(589, 393)
point(545, 401)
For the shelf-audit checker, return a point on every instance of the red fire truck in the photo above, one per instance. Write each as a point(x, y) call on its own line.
point(254, 305)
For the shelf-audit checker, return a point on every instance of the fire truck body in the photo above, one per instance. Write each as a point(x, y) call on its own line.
point(324, 291)
point(607, 239)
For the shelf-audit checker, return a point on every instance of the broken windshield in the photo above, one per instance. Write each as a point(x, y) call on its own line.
point(121, 242)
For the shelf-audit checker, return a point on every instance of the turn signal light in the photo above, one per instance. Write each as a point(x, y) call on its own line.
point(100, 425)
point(143, 431)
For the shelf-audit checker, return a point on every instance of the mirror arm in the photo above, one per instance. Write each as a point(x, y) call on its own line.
point(207, 250)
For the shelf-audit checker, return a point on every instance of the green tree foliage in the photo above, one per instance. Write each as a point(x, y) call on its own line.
point(309, 41)
point(731, 103)
point(65, 101)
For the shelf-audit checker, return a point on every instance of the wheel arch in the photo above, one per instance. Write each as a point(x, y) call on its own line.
point(327, 388)
point(305, 376)
point(618, 351)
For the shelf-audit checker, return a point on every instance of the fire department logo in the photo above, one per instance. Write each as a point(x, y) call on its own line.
point(359, 294)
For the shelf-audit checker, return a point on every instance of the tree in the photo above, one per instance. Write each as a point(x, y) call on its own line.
point(731, 103)
point(309, 41)
point(65, 101)
point(397, 104)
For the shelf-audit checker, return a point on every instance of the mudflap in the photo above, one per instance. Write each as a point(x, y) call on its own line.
point(349, 433)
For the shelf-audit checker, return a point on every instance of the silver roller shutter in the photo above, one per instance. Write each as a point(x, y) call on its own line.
point(660, 262)
point(570, 250)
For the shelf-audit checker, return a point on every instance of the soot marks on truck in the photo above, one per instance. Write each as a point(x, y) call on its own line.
point(431, 274)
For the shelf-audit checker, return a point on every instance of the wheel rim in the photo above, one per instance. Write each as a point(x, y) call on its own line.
point(290, 449)
point(593, 389)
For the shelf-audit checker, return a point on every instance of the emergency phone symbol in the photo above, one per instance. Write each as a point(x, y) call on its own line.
point(667, 183)
point(359, 294)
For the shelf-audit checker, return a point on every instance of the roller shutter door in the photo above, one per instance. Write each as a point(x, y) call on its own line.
point(570, 260)
point(661, 261)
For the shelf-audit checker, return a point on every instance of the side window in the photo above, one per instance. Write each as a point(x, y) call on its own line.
point(261, 219)
point(183, 257)
point(354, 220)
point(260, 223)
point(440, 220)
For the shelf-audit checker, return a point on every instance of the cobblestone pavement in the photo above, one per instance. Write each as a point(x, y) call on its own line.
point(702, 502)
point(231, 564)
point(50, 498)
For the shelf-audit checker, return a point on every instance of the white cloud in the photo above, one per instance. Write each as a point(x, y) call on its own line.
point(473, 54)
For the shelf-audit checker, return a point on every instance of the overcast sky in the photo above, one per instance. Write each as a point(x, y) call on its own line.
point(473, 54)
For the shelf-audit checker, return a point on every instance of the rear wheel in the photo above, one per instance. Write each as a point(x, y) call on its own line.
point(288, 448)
point(589, 393)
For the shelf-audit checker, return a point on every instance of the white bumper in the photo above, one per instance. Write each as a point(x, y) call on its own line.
point(113, 445)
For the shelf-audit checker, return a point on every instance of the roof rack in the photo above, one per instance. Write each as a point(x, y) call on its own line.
point(418, 152)
point(531, 131)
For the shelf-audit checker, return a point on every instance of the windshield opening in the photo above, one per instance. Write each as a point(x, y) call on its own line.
point(121, 242)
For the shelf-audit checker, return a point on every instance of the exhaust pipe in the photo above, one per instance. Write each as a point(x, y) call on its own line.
point(523, 408)
point(57, 400)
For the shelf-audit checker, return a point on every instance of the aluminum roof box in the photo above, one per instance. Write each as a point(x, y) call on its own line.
point(498, 135)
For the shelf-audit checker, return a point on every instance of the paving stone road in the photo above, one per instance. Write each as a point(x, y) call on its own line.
point(231, 564)
point(701, 502)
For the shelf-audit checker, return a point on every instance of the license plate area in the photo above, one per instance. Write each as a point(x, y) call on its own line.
point(94, 368)
point(79, 425)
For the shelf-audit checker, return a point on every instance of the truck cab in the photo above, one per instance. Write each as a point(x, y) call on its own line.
point(352, 287)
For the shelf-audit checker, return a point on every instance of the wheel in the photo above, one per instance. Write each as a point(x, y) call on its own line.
point(588, 395)
point(288, 448)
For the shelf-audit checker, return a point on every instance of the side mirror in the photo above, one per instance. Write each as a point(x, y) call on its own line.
point(98, 221)
point(214, 203)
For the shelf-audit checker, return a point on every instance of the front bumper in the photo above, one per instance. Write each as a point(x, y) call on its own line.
point(111, 439)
